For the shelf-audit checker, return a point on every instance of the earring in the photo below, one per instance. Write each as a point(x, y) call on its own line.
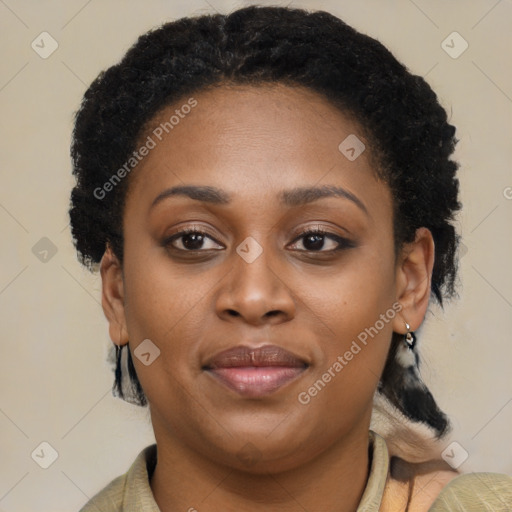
point(117, 388)
point(409, 338)
point(402, 385)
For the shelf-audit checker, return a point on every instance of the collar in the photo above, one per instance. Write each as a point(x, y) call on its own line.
point(138, 497)
point(374, 490)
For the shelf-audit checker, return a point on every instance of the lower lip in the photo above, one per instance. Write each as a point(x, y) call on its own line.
point(256, 381)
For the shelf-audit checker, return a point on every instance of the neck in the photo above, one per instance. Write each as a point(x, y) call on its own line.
point(333, 480)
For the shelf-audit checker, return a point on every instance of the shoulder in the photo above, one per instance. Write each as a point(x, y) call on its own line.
point(435, 487)
point(415, 486)
point(475, 492)
point(109, 498)
point(128, 492)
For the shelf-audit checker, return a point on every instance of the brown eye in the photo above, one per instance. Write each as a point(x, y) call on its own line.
point(314, 240)
point(190, 240)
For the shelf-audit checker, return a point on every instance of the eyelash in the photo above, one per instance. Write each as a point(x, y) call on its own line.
point(343, 243)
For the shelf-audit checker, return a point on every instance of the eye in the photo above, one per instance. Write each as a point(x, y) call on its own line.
point(314, 240)
point(190, 239)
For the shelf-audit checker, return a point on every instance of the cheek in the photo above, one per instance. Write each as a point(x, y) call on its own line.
point(352, 297)
point(159, 306)
point(341, 386)
point(157, 293)
point(166, 305)
point(354, 310)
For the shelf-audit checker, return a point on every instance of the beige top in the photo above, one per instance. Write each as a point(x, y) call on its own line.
point(472, 492)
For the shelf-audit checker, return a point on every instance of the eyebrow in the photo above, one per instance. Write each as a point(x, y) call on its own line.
point(293, 197)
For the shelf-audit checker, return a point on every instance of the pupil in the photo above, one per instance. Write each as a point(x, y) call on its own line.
point(196, 243)
point(317, 242)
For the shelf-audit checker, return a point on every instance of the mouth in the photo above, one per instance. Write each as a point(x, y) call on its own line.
point(255, 372)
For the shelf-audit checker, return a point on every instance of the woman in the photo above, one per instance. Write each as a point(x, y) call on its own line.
point(269, 196)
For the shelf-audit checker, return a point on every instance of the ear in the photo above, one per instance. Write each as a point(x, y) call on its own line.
point(112, 297)
point(413, 280)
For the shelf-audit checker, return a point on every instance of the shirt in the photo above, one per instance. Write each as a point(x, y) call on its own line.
point(471, 492)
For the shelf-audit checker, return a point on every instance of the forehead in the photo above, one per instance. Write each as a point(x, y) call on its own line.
point(254, 113)
point(254, 139)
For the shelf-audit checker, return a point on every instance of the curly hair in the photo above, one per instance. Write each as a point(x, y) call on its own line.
point(398, 112)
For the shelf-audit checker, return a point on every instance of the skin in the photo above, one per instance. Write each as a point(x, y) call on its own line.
point(253, 142)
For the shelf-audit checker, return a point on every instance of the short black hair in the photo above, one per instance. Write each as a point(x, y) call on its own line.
point(398, 112)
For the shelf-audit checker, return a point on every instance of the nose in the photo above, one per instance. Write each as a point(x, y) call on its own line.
point(255, 292)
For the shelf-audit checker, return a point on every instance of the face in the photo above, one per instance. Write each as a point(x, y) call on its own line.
point(259, 321)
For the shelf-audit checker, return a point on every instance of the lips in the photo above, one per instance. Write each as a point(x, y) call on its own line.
point(255, 372)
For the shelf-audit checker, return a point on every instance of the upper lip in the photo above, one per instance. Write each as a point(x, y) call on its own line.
point(244, 356)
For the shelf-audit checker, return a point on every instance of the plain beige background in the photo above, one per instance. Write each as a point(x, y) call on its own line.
point(55, 379)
